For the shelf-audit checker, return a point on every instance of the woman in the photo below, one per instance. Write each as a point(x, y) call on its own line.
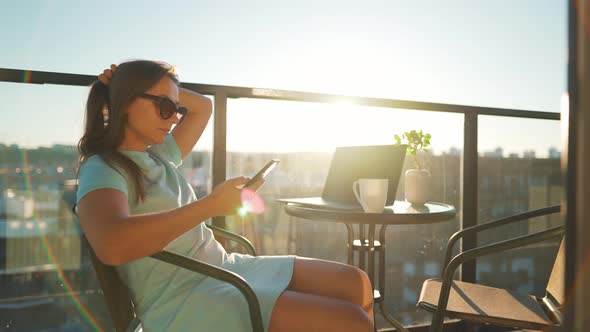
point(133, 202)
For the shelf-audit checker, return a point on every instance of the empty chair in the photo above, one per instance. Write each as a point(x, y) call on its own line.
point(489, 305)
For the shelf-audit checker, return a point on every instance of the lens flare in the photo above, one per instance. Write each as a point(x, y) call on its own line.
point(251, 203)
point(49, 251)
point(27, 74)
point(243, 211)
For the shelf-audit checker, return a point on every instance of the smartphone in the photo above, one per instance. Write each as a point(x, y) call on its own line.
point(263, 172)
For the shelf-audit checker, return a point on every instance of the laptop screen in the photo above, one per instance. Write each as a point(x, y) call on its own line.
point(351, 163)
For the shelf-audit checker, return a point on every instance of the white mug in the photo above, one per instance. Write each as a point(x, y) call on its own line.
point(371, 194)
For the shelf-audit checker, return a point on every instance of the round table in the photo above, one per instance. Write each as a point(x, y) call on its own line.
point(400, 213)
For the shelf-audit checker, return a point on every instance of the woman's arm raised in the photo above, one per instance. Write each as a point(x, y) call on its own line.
point(118, 237)
point(188, 132)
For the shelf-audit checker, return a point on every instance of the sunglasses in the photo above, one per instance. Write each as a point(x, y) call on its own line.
point(166, 106)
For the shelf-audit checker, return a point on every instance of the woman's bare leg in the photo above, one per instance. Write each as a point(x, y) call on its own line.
point(332, 279)
point(296, 311)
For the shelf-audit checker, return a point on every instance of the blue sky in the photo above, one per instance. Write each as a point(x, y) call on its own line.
point(509, 54)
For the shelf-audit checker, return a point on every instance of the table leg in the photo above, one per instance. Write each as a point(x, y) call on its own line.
point(350, 244)
point(362, 247)
point(382, 229)
point(370, 247)
point(398, 326)
point(371, 250)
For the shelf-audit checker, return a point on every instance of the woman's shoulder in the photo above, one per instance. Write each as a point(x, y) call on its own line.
point(93, 162)
point(95, 165)
point(94, 159)
point(95, 173)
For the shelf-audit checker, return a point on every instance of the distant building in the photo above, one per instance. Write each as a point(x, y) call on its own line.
point(529, 154)
point(453, 151)
point(497, 153)
point(17, 206)
point(554, 153)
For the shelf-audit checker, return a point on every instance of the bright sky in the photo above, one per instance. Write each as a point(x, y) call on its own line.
point(509, 54)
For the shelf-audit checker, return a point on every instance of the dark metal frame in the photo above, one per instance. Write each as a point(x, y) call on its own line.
point(450, 266)
point(122, 313)
point(221, 274)
point(218, 273)
point(569, 162)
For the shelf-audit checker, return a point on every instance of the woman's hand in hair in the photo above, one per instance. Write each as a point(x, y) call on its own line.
point(226, 197)
point(107, 74)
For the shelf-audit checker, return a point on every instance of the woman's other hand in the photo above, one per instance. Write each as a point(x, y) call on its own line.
point(107, 74)
point(226, 196)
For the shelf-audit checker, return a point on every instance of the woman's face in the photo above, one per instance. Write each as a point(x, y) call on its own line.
point(144, 124)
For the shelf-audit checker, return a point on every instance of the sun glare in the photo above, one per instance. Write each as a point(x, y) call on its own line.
point(276, 126)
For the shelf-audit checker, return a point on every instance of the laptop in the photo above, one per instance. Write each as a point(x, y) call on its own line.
point(350, 163)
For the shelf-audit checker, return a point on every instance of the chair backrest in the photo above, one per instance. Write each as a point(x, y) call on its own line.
point(556, 284)
point(116, 294)
point(114, 290)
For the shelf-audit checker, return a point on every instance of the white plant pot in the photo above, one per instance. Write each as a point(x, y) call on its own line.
point(417, 186)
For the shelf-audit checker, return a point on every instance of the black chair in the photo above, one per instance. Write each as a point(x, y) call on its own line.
point(489, 305)
point(117, 295)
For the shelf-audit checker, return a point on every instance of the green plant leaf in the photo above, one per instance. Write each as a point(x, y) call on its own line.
point(416, 141)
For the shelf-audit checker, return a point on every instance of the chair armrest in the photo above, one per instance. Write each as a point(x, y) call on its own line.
point(220, 274)
point(217, 231)
point(461, 258)
point(134, 326)
point(493, 224)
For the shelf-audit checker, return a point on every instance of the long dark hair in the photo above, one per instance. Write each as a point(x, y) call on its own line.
point(102, 137)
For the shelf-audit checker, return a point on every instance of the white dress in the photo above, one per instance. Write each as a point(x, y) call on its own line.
point(169, 298)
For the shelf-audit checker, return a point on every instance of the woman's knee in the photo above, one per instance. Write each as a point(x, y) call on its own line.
point(356, 287)
point(363, 321)
point(299, 311)
point(361, 281)
point(332, 279)
point(356, 319)
point(363, 277)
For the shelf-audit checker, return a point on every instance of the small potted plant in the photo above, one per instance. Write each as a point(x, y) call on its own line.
point(417, 180)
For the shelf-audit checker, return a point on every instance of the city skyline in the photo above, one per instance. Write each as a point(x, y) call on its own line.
point(552, 151)
point(413, 254)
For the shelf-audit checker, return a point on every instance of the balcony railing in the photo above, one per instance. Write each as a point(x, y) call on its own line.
point(222, 93)
point(471, 114)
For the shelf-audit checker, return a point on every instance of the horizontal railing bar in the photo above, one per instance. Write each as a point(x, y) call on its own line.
point(44, 77)
point(49, 296)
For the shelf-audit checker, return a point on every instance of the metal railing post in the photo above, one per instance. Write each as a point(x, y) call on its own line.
point(219, 145)
point(469, 191)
